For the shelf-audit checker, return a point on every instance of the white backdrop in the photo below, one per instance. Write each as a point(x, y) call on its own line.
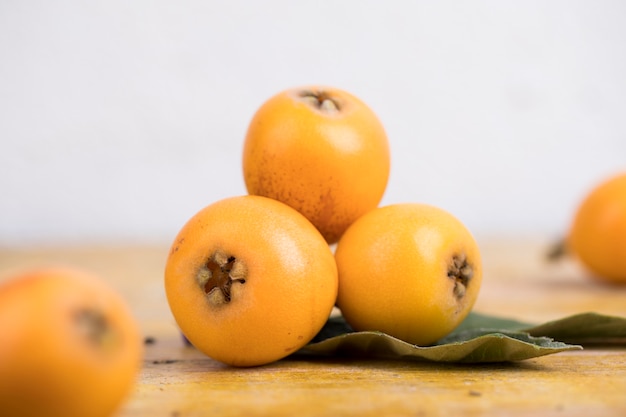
point(120, 119)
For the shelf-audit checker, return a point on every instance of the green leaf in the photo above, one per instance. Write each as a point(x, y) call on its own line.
point(477, 320)
point(479, 339)
point(584, 328)
point(486, 348)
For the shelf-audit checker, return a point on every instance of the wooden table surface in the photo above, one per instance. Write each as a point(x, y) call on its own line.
point(178, 381)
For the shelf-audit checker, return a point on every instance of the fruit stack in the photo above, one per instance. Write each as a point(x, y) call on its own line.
point(251, 279)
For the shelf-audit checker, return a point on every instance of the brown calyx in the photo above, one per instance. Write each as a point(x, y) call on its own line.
point(94, 327)
point(217, 275)
point(558, 250)
point(321, 101)
point(461, 272)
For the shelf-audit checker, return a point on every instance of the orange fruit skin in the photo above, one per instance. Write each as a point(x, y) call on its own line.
point(393, 272)
point(48, 366)
point(290, 286)
point(597, 234)
point(332, 167)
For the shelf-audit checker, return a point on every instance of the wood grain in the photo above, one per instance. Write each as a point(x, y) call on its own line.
point(178, 381)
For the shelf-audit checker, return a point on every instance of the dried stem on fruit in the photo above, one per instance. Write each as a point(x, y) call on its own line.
point(321, 101)
point(217, 276)
point(461, 272)
point(94, 327)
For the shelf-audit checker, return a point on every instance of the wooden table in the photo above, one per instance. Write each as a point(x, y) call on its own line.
point(178, 381)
